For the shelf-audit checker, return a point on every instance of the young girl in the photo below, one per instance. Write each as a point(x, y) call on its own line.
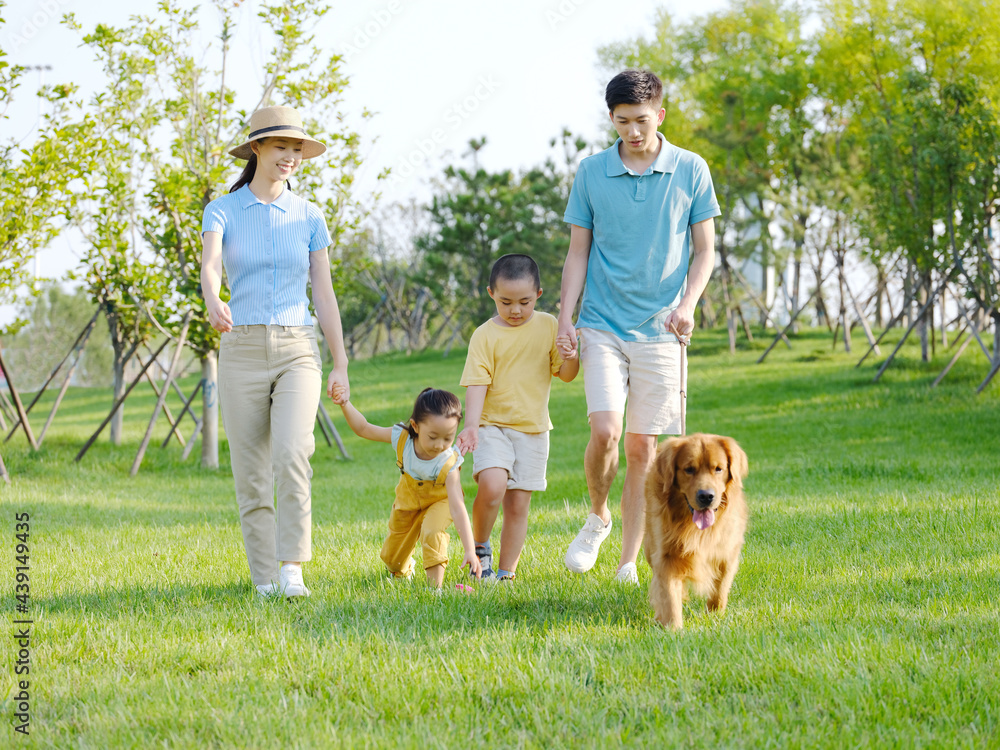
point(429, 493)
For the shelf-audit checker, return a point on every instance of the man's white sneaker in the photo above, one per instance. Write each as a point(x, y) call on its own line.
point(290, 581)
point(582, 552)
point(627, 573)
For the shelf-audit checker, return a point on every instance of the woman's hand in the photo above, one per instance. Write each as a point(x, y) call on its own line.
point(219, 315)
point(338, 387)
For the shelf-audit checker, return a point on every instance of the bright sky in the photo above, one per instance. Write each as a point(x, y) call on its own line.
point(436, 72)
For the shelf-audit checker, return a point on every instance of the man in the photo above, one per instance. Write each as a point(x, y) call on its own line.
point(641, 252)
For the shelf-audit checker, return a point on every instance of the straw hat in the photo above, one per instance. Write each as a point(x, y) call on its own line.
point(271, 122)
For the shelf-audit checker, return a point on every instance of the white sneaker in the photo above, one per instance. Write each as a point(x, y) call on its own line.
point(582, 552)
point(290, 581)
point(265, 590)
point(627, 573)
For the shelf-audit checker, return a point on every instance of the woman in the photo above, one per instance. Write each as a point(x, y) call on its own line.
point(272, 243)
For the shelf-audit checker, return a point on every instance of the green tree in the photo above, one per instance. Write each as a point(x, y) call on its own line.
point(181, 116)
point(107, 164)
point(32, 185)
point(48, 325)
point(479, 216)
point(920, 81)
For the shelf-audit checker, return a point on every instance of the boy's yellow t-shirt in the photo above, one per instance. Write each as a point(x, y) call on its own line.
point(517, 363)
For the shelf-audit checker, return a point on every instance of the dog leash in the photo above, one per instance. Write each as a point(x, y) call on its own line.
point(683, 341)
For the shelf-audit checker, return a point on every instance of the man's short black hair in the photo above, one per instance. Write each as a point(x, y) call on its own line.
point(515, 267)
point(634, 87)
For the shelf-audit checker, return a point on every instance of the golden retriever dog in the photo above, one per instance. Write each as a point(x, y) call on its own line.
point(695, 521)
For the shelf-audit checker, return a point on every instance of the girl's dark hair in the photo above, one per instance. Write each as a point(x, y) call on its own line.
point(634, 87)
point(434, 403)
point(246, 176)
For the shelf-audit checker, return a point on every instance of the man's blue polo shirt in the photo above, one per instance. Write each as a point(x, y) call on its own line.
point(638, 265)
point(265, 250)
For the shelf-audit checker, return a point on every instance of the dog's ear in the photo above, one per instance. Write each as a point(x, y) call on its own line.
point(738, 465)
point(664, 465)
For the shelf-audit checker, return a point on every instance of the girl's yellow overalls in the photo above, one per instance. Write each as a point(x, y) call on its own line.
point(420, 512)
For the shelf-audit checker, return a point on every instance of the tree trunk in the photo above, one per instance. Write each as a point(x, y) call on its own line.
point(210, 411)
point(118, 420)
point(843, 302)
point(796, 285)
point(922, 323)
point(879, 292)
point(908, 295)
point(730, 316)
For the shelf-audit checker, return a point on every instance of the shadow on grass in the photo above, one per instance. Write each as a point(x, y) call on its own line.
point(364, 605)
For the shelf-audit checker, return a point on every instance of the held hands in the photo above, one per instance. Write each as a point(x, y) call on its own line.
point(566, 340)
point(467, 440)
point(338, 387)
point(219, 316)
point(567, 347)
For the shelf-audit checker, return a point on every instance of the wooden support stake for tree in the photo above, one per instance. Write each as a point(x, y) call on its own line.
point(322, 428)
point(174, 426)
point(758, 302)
point(21, 414)
point(958, 334)
point(163, 395)
point(77, 349)
point(897, 317)
point(961, 349)
point(198, 427)
point(59, 397)
point(173, 383)
point(974, 328)
point(995, 359)
point(996, 368)
point(916, 321)
point(118, 403)
point(791, 321)
point(861, 317)
point(6, 406)
point(3, 471)
point(186, 409)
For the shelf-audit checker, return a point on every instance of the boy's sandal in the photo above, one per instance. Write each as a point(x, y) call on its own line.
point(505, 576)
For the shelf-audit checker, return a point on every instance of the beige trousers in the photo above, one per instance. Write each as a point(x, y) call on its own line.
point(269, 388)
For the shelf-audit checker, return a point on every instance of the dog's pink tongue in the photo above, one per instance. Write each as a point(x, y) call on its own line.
point(703, 518)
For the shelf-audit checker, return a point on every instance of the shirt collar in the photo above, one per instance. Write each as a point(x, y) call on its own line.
point(666, 160)
point(247, 198)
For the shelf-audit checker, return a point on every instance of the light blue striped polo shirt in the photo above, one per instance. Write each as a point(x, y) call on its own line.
point(265, 250)
point(638, 265)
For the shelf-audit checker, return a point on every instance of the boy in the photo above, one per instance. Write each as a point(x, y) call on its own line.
point(508, 373)
point(639, 213)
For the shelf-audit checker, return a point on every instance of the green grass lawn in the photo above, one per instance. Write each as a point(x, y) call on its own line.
point(865, 613)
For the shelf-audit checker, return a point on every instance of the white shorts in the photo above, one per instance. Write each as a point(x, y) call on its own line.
point(640, 379)
point(523, 454)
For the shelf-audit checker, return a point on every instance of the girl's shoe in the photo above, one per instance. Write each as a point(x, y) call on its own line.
point(505, 575)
